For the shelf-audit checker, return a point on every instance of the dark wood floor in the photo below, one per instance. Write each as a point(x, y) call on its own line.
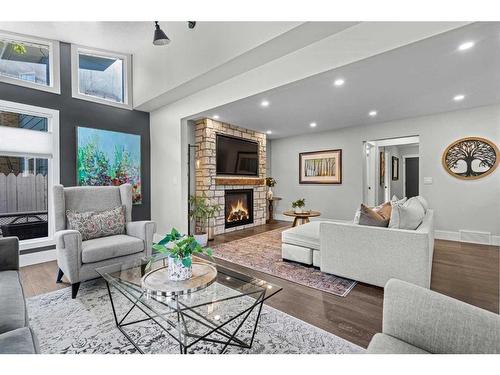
point(467, 272)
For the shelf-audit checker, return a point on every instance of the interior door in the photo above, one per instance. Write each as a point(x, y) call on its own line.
point(411, 176)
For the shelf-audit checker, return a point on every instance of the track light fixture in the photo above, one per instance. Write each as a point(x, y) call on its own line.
point(160, 38)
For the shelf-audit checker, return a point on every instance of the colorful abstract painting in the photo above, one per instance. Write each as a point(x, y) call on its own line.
point(108, 158)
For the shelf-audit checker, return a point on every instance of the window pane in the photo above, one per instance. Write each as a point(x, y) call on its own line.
point(101, 77)
point(23, 197)
point(19, 120)
point(25, 61)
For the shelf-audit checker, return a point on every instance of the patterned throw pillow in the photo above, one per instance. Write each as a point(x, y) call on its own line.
point(95, 224)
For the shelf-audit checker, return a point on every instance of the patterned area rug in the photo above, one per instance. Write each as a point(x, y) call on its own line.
point(262, 252)
point(86, 325)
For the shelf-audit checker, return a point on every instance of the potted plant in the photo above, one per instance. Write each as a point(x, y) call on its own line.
point(270, 182)
point(298, 205)
point(202, 211)
point(180, 254)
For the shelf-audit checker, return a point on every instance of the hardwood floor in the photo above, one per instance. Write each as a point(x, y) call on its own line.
point(468, 272)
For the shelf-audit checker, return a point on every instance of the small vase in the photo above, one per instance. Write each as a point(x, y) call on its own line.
point(269, 194)
point(299, 210)
point(177, 271)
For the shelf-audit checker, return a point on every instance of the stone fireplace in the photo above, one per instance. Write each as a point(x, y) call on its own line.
point(230, 192)
point(238, 207)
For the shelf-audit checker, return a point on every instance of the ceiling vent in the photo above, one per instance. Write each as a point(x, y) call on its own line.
point(475, 237)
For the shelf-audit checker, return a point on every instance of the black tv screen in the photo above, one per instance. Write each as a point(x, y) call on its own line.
point(237, 156)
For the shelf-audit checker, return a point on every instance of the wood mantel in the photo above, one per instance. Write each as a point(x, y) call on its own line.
point(239, 181)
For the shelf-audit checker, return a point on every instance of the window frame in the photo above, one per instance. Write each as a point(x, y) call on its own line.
point(53, 176)
point(54, 63)
point(76, 50)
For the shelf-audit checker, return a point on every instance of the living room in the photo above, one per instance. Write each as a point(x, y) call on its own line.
point(297, 188)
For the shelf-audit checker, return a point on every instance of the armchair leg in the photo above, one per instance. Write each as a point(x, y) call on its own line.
point(60, 274)
point(74, 289)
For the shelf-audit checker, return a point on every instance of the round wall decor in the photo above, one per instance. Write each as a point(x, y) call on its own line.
point(471, 158)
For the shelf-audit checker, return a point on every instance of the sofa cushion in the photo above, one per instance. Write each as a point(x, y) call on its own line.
point(385, 344)
point(296, 253)
point(306, 235)
point(18, 341)
point(371, 217)
point(407, 216)
point(12, 309)
point(97, 224)
point(103, 248)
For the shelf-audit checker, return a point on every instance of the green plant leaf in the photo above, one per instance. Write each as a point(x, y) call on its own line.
point(160, 248)
point(186, 262)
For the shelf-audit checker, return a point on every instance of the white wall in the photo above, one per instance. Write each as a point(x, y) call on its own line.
point(169, 130)
point(458, 204)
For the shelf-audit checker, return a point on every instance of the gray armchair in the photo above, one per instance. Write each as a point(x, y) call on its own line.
point(419, 321)
point(78, 259)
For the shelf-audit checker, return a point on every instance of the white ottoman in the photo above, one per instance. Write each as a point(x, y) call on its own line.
point(301, 244)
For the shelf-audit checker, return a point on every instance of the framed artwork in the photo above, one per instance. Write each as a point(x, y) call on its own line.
point(109, 158)
point(470, 158)
point(395, 168)
point(382, 168)
point(320, 167)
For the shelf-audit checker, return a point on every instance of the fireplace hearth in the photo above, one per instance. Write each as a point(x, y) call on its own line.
point(238, 207)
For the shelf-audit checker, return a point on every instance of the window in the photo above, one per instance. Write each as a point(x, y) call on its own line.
point(29, 167)
point(102, 77)
point(29, 62)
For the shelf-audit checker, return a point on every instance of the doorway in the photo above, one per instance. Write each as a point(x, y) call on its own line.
point(385, 169)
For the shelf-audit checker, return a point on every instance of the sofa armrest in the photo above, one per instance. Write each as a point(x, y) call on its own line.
point(437, 323)
point(69, 253)
point(143, 230)
point(374, 255)
point(9, 253)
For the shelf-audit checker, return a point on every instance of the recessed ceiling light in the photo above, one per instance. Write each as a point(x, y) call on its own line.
point(269, 132)
point(458, 98)
point(216, 116)
point(465, 46)
point(264, 103)
point(312, 124)
point(339, 82)
point(372, 113)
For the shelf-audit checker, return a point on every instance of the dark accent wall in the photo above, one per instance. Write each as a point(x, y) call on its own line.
point(77, 112)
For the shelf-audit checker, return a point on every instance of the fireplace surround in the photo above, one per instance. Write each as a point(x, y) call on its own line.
point(238, 208)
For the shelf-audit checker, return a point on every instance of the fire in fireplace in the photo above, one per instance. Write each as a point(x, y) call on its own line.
point(238, 207)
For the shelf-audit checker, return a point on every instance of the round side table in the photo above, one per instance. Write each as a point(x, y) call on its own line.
point(303, 217)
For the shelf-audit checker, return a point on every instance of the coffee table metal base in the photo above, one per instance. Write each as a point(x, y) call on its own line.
point(182, 313)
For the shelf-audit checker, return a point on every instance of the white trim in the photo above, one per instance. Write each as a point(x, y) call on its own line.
point(52, 117)
point(127, 79)
point(404, 157)
point(455, 236)
point(54, 63)
point(38, 257)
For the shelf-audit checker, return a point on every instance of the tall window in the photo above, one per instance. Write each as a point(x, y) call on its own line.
point(100, 76)
point(29, 62)
point(29, 167)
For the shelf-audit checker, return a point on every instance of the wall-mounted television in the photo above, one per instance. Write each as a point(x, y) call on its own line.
point(236, 156)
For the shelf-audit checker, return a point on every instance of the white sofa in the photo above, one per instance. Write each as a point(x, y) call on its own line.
point(368, 254)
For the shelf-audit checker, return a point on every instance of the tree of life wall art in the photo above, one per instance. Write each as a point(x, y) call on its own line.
point(470, 158)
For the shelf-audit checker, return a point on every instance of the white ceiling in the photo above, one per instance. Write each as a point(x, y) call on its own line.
point(418, 79)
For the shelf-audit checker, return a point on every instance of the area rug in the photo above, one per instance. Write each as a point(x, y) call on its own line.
point(86, 325)
point(262, 252)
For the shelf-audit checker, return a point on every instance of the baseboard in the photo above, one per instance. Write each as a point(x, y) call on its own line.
point(455, 236)
point(38, 257)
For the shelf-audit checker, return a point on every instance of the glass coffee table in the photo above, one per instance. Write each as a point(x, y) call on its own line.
point(224, 311)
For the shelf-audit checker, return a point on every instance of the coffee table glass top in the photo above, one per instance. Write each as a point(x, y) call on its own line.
point(220, 308)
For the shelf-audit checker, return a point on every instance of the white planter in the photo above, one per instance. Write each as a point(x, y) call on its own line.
point(299, 210)
point(177, 271)
point(202, 239)
point(270, 194)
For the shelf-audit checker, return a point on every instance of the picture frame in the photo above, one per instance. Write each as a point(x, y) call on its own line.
point(108, 158)
point(320, 167)
point(395, 168)
point(382, 168)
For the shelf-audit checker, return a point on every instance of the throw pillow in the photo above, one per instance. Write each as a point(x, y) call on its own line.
point(423, 202)
point(371, 218)
point(383, 210)
point(409, 215)
point(95, 224)
point(398, 201)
